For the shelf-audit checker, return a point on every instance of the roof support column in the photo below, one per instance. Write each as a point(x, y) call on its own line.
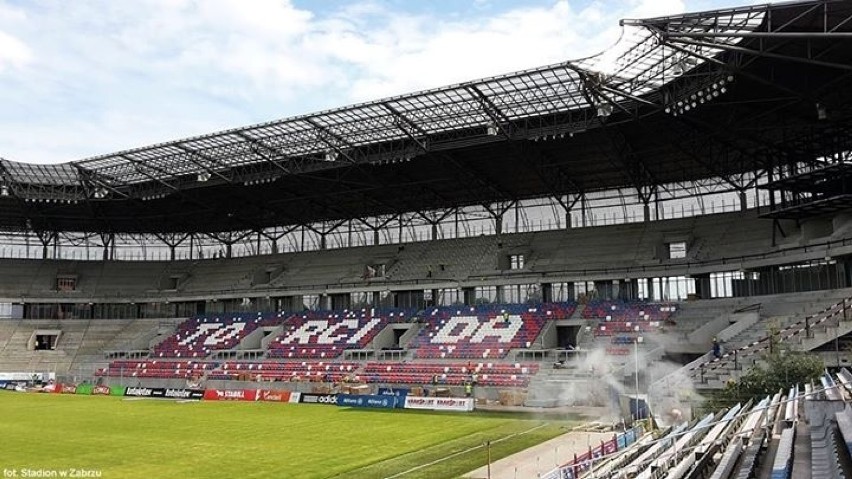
point(568, 203)
point(323, 231)
point(434, 219)
point(274, 236)
point(172, 241)
point(497, 213)
point(302, 242)
point(645, 194)
point(46, 238)
point(376, 228)
point(108, 241)
point(660, 213)
point(228, 239)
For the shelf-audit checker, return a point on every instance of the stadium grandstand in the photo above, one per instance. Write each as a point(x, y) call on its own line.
point(803, 432)
point(553, 236)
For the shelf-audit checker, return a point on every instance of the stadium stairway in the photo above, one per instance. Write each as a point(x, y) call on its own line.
point(696, 319)
point(793, 332)
point(107, 335)
point(80, 347)
point(8, 356)
point(16, 356)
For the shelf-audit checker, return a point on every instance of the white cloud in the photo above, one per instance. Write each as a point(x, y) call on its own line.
point(13, 52)
point(101, 75)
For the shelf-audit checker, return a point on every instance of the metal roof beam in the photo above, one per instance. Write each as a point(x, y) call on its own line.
point(593, 90)
point(193, 153)
point(478, 179)
point(499, 119)
point(257, 144)
point(325, 133)
point(88, 178)
point(627, 154)
point(550, 175)
point(139, 165)
point(6, 178)
point(400, 119)
point(704, 15)
point(739, 71)
point(769, 35)
point(768, 54)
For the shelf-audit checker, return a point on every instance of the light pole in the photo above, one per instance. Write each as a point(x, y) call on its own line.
point(636, 371)
point(837, 344)
point(636, 375)
point(837, 334)
point(488, 447)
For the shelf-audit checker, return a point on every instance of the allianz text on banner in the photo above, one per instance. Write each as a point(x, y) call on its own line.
point(363, 400)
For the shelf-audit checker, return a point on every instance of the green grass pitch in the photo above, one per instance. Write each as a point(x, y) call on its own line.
point(161, 438)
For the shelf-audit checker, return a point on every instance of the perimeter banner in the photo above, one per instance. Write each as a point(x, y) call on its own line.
point(103, 391)
point(85, 389)
point(311, 398)
point(192, 394)
point(231, 395)
point(400, 393)
point(141, 392)
point(275, 396)
point(371, 401)
point(439, 404)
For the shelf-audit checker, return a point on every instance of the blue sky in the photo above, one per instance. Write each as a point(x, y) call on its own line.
point(86, 77)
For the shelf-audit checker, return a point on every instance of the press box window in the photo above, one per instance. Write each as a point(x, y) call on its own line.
point(516, 261)
point(677, 250)
point(66, 283)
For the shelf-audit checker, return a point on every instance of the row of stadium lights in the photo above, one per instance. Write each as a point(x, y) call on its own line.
point(205, 176)
point(153, 197)
point(48, 200)
point(259, 182)
point(391, 161)
point(5, 191)
point(553, 136)
point(698, 98)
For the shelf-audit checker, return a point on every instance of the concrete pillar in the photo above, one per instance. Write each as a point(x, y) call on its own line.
point(469, 295)
point(546, 292)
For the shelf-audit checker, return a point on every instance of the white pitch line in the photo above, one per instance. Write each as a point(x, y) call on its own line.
point(428, 464)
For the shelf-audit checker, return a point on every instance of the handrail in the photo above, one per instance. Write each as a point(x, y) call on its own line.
point(710, 363)
point(749, 308)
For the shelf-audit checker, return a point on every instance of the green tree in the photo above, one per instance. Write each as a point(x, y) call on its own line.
point(781, 370)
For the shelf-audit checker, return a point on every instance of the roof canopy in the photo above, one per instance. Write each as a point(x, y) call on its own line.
point(520, 124)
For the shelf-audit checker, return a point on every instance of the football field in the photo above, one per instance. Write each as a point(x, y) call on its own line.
point(57, 435)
